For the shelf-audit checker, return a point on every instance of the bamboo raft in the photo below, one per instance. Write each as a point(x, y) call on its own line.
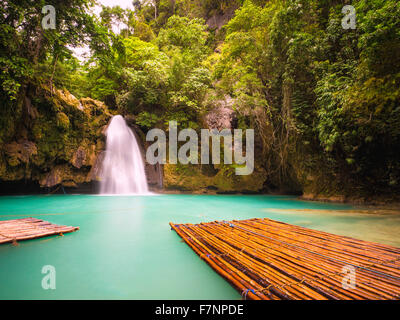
point(30, 228)
point(270, 260)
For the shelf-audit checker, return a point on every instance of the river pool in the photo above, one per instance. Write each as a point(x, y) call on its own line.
point(126, 250)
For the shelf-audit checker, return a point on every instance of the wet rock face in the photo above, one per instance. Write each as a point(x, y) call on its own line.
point(154, 175)
point(65, 175)
point(53, 178)
point(218, 20)
point(222, 116)
point(85, 155)
point(94, 173)
point(79, 158)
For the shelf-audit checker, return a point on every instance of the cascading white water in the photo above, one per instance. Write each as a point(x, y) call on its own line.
point(122, 169)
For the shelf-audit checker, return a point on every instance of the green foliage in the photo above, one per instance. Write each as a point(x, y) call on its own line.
point(324, 101)
point(147, 120)
point(30, 56)
point(164, 78)
point(330, 93)
point(185, 34)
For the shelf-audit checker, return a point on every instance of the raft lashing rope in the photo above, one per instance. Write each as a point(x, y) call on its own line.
point(271, 260)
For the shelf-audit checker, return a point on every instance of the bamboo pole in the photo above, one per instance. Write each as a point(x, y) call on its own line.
point(267, 259)
point(29, 228)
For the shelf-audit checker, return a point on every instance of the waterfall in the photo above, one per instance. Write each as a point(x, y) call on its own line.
point(122, 169)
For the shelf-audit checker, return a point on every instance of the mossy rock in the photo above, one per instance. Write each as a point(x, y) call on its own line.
point(62, 120)
point(191, 178)
point(19, 152)
point(63, 174)
point(59, 144)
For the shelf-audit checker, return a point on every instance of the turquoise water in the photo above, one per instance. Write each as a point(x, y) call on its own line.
point(126, 250)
